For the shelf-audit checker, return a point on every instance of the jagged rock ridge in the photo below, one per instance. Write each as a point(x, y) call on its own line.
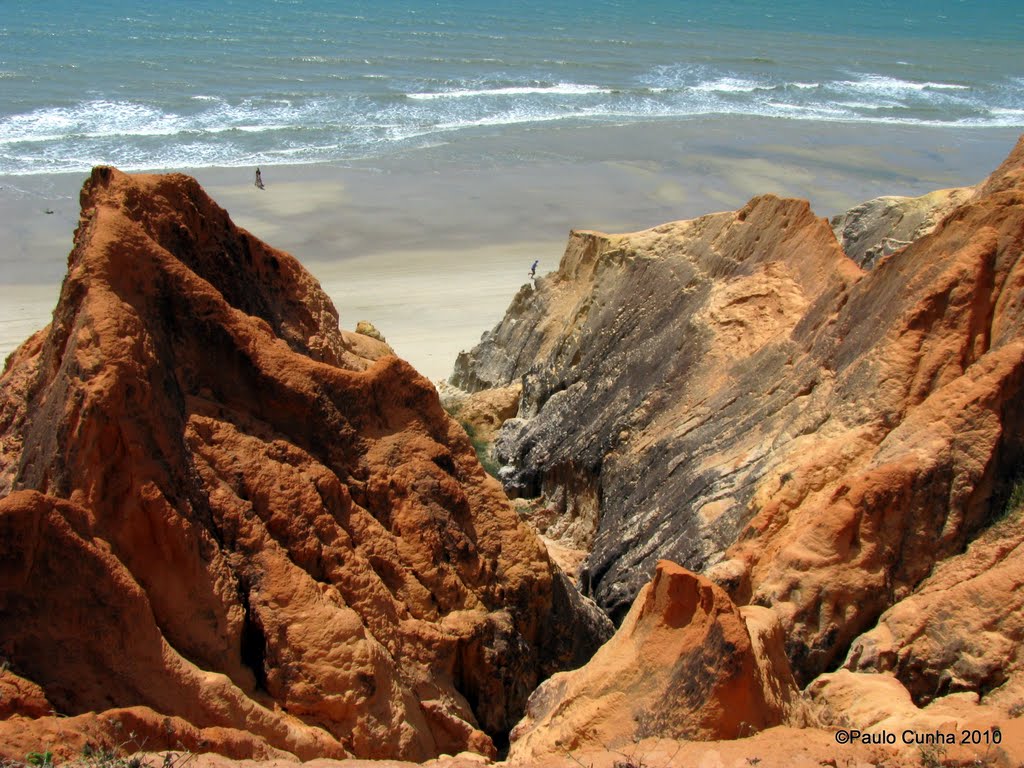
point(735, 394)
point(224, 519)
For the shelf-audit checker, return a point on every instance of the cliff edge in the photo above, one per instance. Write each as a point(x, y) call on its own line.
point(734, 393)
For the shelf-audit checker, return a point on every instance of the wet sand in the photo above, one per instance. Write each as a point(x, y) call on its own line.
point(431, 246)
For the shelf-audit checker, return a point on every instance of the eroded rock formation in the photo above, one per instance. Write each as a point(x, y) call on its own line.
point(736, 394)
point(220, 511)
point(963, 628)
point(681, 666)
point(623, 354)
point(878, 228)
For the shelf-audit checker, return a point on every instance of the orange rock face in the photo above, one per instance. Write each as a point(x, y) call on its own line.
point(919, 428)
point(962, 628)
point(19, 696)
point(681, 666)
point(221, 508)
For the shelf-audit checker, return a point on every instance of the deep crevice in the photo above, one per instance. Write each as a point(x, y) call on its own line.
point(253, 641)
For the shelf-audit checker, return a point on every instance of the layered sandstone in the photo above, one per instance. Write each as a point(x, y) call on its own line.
point(623, 354)
point(219, 509)
point(736, 394)
point(878, 228)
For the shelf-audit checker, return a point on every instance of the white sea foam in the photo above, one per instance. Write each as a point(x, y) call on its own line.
point(808, 112)
point(104, 119)
point(730, 85)
point(885, 84)
point(90, 118)
point(514, 117)
point(204, 128)
point(565, 89)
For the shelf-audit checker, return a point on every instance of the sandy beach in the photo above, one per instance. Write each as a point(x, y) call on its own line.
point(431, 246)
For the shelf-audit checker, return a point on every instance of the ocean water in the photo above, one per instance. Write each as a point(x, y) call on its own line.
point(198, 83)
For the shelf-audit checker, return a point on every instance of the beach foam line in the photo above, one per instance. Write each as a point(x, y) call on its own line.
point(561, 89)
point(888, 84)
point(136, 136)
point(101, 118)
point(731, 85)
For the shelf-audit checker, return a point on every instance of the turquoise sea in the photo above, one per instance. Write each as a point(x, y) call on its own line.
point(197, 83)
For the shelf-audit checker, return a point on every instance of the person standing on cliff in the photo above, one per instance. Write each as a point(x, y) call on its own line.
point(259, 179)
point(533, 269)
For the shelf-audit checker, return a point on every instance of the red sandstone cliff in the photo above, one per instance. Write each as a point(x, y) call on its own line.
point(226, 523)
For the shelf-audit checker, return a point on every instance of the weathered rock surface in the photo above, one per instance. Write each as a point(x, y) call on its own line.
point(681, 666)
point(219, 508)
point(735, 394)
point(127, 731)
point(19, 696)
point(962, 629)
point(626, 355)
point(481, 413)
point(878, 228)
point(973, 733)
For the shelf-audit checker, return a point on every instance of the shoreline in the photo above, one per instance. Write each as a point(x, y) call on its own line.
point(431, 246)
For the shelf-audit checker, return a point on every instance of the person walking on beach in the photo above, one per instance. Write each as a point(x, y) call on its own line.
point(533, 269)
point(259, 179)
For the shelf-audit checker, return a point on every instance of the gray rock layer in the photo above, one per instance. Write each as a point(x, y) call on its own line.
point(735, 394)
point(621, 354)
point(878, 228)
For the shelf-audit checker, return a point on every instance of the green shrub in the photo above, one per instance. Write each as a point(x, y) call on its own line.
point(1016, 500)
point(482, 449)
